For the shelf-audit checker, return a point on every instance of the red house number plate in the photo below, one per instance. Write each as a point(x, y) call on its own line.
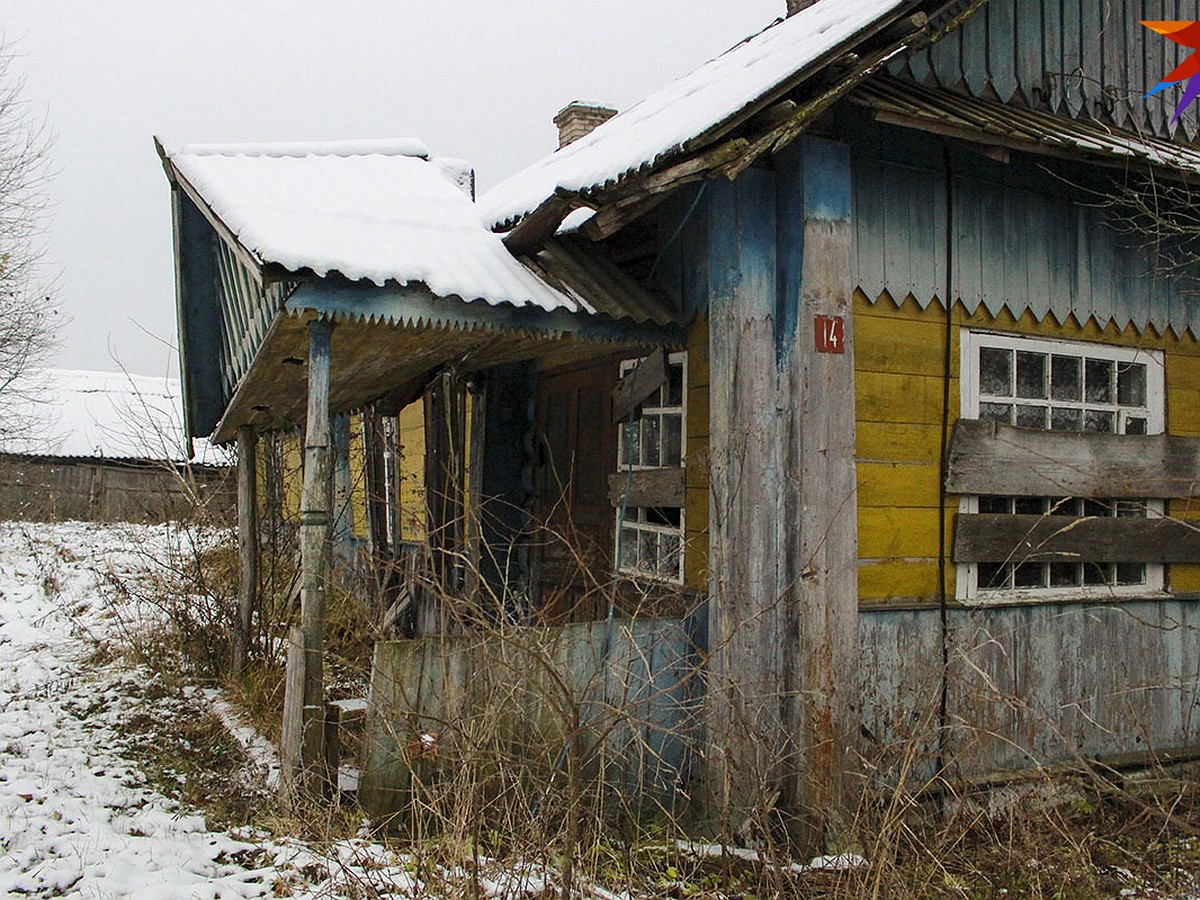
point(831, 334)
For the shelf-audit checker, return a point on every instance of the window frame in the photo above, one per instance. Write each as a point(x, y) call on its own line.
point(971, 342)
point(621, 467)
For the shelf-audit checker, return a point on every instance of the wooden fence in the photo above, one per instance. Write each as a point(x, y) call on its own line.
point(44, 489)
point(623, 698)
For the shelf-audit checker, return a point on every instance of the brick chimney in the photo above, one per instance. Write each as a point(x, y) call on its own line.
point(578, 118)
point(794, 6)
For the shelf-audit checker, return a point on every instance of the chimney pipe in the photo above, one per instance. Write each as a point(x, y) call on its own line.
point(578, 118)
point(794, 6)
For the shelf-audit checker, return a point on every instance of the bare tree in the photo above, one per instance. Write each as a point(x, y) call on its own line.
point(26, 309)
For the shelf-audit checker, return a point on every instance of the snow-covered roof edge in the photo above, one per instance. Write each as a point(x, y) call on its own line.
point(719, 92)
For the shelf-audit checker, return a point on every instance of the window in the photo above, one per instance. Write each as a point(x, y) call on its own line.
point(650, 538)
point(1060, 386)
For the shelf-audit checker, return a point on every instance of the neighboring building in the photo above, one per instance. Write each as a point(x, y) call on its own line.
point(926, 534)
point(104, 447)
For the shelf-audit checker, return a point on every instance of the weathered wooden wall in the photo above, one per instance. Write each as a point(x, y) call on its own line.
point(55, 490)
point(1077, 57)
point(1029, 685)
point(626, 691)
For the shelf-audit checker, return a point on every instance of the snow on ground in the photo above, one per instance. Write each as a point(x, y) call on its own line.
point(76, 819)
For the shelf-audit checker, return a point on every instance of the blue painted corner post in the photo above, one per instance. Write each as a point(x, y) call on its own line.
point(783, 558)
point(818, 536)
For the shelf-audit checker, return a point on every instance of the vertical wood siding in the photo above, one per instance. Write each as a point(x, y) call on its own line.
point(695, 563)
point(1074, 57)
point(1030, 685)
point(1013, 248)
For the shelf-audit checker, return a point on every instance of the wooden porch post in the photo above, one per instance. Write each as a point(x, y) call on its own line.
point(303, 749)
point(247, 504)
point(819, 536)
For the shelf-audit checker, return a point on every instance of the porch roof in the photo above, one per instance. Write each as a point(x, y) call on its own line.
point(379, 211)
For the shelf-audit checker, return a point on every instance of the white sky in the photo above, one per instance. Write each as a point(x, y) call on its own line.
point(477, 79)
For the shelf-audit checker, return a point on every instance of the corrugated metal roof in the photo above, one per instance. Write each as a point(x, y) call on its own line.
point(715, 93)
point(375, 210)
point(1017, 127)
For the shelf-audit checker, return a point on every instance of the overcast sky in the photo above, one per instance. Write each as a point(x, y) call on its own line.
point(477, 79)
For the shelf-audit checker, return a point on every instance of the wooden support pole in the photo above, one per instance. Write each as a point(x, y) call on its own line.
point(746, 752)
point(247, 504)
point(819, 531)
point(303, 752)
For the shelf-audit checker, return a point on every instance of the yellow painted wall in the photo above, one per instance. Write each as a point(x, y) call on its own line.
point(899, 353)
point(695, 559)
point(412, 472)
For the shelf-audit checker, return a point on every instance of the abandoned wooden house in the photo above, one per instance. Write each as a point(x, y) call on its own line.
point(104, 447)
point(911, 458)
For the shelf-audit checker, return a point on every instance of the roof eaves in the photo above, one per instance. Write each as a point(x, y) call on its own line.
point(259, 270)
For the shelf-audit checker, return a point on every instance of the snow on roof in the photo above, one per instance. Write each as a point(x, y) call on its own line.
point(376, 210)
point(109, 415)
point(705, 97)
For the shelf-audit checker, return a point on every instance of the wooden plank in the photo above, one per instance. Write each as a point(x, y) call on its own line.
point(988, 458)
point(647, 487)
point(646, 377)
point(1103, 539)
point(247, 505)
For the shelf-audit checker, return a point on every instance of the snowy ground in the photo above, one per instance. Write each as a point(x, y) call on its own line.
point(78, 820)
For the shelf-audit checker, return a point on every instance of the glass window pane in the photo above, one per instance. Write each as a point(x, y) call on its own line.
point(995, 505)
point(668, 555)
point(648, 551)
point(1135, 425)
point(1096, 420)
point(651, 440)
point(1066, 378)
point(1131, 384)
point(1065, 575)
point(1131, 573)
point(1130, 509)
point(1066, 419)
point(1096, 508)
point(672, 440)
point(1030, 575)
point(1064, 506)
point(675, 384)
point(1096, 573)
point(996, 412)
point(629, 548)
point(1032, 416)
point(667, 516)
point(1098, 381)
point(993, 576)
point(1031, 375)
point(631, 442)
point(995, 372)
point(1030, 506)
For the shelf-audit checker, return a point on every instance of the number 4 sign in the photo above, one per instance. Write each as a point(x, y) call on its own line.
point(831, 334)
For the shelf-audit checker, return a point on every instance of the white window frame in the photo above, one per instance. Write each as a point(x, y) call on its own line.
point(627, 365)
point(971, 341)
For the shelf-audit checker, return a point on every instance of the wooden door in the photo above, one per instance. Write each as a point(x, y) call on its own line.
point(575, 453)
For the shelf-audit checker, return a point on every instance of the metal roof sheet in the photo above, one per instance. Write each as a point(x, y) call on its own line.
point(707, 97)
point(375, 210)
